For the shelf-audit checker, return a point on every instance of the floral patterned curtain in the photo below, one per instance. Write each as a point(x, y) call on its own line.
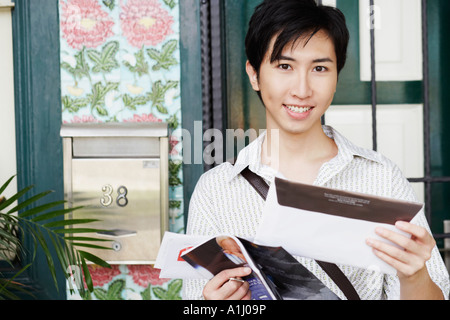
point(120, 62)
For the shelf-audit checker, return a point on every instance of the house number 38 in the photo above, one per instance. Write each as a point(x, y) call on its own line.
point(107, 198)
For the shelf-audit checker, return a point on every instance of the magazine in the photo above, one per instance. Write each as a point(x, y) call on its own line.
point(276, 275)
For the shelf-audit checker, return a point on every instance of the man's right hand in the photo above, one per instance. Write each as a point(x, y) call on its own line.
point(220, 287)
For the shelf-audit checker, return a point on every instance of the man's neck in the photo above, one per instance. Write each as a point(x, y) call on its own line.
point(298, 156)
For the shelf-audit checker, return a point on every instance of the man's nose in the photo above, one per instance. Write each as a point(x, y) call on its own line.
point(301, 86)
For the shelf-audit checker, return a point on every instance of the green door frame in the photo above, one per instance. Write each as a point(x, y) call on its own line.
point(191, 90)
point(38, 119)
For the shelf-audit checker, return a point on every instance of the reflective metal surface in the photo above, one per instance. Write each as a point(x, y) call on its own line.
point(120, 177)
point(125, 196)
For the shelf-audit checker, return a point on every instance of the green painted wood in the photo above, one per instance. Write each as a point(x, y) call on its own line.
point(245, 110)
point(439, 66)
point(351, 90)
point(38, 117)
point(191, 91)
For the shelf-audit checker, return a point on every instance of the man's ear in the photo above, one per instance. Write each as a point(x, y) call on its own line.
point(252, 76)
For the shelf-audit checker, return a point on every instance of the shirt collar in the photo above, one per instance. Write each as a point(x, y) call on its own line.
point(250, 156)
point(347, 150)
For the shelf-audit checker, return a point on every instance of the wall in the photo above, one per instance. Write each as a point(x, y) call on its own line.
point(120, 62)
point(7, 118)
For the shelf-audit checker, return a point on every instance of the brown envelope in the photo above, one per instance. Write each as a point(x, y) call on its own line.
point(344, 203)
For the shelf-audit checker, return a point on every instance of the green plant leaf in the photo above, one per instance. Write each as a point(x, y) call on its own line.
point(94, 259)
point(109, 3)
point(9, 285)
point(79, 230)
point(146, 294)
point(42, 235)
point(170, 3)
point(141, 66)
point(15, 197)
point(81, 68)
point(100, 294)
point(6, 184)
point(29, 201)
point(131, 102)
point(105, 60)
point(160, 293)
point(157, 95)
point(74, 105)
point(68, 222)
point(39, 209)
point(173, 122)
point(70, 238)
point(164, 58)
point(115, 289)
point(87, 275)
point(174, 289)
point(49, 215)
point(97, 97)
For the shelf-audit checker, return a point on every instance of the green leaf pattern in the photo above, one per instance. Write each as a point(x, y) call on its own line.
point(91, 62)
point(115, 82)
point(118, 289)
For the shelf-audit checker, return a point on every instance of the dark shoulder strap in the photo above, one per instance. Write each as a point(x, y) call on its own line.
point(331, 269)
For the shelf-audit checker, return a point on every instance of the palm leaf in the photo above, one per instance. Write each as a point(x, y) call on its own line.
point(29, 202)
point(39, 209)
point(47, 228)
point(5, 185)
point(11, 200)
point(7, 286)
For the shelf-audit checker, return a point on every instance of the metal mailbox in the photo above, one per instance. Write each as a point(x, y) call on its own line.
point(119, 173)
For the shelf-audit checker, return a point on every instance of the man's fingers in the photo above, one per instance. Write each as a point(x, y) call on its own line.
point(220, 287)
point(227, 274)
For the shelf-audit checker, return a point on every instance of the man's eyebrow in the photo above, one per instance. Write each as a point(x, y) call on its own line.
point(322, 60)
point(314, 61)
point(286, 58)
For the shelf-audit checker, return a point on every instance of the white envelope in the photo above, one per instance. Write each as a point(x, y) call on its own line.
point(169, 261)
point(337, 236)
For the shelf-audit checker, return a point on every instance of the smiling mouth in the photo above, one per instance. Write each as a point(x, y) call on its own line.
point(297, 109)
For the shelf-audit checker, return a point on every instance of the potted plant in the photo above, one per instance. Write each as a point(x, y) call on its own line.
point(50, 229)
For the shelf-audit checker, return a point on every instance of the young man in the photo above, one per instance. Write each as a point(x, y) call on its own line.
point(295, 51)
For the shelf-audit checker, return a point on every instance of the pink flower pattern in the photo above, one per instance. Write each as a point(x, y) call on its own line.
point(145, 22)
point(173, 141)
point(143, 118)
point(145, 274)
point(101, 276)
point(83, 119)
point(84, 23)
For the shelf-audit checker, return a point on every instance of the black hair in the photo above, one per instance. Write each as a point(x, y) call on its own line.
point(291, 20)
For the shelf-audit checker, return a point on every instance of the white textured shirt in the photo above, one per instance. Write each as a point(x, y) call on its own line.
point(223, 202)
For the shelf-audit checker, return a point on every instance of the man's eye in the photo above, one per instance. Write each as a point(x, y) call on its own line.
point(320, 69)
point(284, 66)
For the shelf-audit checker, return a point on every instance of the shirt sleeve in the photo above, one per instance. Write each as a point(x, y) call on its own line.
point(200, 222)
point(402, 190)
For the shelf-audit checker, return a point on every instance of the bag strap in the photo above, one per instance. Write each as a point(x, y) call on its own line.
point(331, 269)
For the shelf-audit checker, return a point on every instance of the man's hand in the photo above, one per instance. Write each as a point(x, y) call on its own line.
point(409, 260)
point(222, 288)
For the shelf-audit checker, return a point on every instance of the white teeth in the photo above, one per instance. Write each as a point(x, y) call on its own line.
point(298, 109)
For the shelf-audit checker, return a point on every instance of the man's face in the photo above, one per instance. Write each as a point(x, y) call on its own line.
point(298, 88)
